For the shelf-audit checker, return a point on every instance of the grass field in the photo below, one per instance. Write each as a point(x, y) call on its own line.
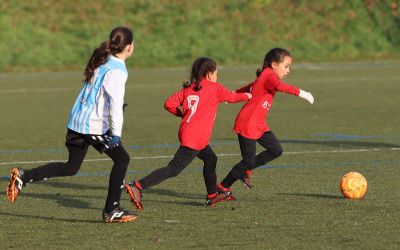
point(295, 204)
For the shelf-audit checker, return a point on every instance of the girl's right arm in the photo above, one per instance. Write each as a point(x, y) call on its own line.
point(226, 95)
point(272, 82)
point(174, 102)
point(290, 89)
point(245, 89)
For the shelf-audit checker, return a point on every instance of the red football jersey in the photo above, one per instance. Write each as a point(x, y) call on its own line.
point(198, 111)
point(251, 120)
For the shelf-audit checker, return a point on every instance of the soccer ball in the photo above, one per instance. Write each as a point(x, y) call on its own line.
point(353, 185)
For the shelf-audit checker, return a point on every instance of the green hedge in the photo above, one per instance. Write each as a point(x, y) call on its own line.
point(61, 34)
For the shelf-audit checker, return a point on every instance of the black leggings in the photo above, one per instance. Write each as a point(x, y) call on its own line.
point(77, 152)
point(249, 158)
point(182, 158)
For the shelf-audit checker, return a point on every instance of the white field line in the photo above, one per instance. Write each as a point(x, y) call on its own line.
point(219, 155)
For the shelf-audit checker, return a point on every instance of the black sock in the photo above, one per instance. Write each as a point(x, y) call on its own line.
point(229, 180)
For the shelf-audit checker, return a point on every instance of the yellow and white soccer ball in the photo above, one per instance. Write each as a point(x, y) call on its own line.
point(353, 185)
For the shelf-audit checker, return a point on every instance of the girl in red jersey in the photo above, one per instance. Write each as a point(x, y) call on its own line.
point(250, 124)
point(196, 103)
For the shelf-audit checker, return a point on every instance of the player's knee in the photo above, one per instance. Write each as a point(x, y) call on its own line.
point(278, 151)
point(69, 171)
point(249, 163)
point(122, 160)
point(211, 161)
point(125, 159)
point(174, 169)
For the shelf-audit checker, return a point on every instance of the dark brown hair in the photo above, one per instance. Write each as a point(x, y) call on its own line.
point(274, 55)
point(118, 39)
point(200, 68)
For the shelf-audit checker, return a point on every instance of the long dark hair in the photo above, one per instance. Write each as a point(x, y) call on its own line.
point(274, 55)
point(118, 39)
point(200, 68)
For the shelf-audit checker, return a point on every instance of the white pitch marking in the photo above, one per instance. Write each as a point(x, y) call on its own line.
point(220, 155)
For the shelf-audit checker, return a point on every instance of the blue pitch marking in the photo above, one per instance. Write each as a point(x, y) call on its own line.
point(320, 136)
point(340, 137)
point(199, 169)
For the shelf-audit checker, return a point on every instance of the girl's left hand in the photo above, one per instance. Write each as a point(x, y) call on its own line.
point(114, 141)
point(307, 96)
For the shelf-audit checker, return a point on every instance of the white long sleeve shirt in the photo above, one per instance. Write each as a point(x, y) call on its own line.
point(99, 106)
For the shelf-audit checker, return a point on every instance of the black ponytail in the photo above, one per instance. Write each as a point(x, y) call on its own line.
point(200, 68)
point(274, 55)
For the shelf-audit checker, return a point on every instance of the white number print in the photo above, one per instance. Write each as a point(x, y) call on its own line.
point(193, 101)
point(266, 105)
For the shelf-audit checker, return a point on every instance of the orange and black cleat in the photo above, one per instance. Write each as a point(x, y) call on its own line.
point(118, 215)
point(15, 185)
point(211, 200)
point(227, 191)
point(135, 194)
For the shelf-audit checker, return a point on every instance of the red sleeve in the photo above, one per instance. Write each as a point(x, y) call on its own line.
point(274, 83)
point(226, 95)
point(244, 89)
point(174, 102)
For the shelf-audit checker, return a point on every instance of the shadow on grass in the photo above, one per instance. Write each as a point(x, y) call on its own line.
point(50, 218)
point(65, 200)
point(70, 185)
point(318, 196)
point(158, 191)
point(191, 203)
point(167, 192)
point(72, 202)
point(183, 203)
point(77, 201)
